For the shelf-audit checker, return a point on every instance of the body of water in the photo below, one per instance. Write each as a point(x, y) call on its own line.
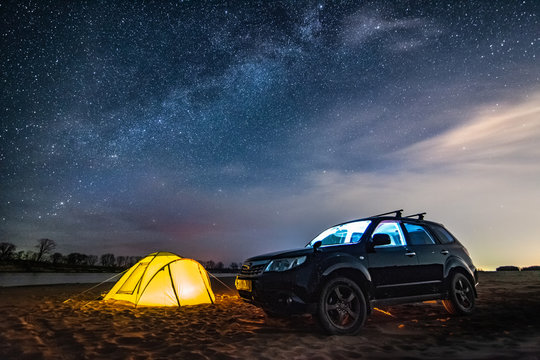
point(24, 279)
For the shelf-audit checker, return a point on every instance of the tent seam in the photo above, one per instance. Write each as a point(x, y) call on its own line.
point(172, 284)
point(140, 281)
point(205, 287)
point(153, 276)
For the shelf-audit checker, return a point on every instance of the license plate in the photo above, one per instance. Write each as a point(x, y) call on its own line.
point(242, 284)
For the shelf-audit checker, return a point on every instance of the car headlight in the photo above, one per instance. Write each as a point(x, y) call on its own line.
point(285, 263)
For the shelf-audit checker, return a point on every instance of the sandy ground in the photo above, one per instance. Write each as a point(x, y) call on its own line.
point(36, 324)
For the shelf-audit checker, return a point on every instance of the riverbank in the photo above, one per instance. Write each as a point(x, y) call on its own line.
point(26, 266)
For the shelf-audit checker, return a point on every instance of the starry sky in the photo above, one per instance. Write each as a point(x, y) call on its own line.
point(224, 129)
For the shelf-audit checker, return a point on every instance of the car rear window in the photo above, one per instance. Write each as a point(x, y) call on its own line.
point(443, 235)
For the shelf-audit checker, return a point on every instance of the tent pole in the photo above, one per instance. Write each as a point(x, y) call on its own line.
point(173, 287)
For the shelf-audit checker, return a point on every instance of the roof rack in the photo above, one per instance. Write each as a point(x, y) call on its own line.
point(397, 212)
point(420, 215)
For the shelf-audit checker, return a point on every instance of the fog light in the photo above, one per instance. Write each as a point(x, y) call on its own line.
point(289, 300)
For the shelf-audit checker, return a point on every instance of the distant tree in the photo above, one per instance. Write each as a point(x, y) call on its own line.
point(234, 266)
point(29, 255)
point(508, 268)
point(44, 246)
point(7, 250)
point(73, 258)
point(76, 258)
point(57, 258)
point(220, 266)
point(531, 268)
point(19, 255)
point(134, 259)
point(107, 260)
point(210, 264)
point(121, 261)
point(91, 260)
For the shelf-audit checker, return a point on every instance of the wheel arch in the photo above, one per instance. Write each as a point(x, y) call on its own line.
point(456, 265)
point(356, 272)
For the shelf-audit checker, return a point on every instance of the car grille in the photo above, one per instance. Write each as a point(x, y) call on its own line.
point(253, 268)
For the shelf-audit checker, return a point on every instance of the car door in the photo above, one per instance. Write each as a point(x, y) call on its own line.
point(391, 266)
point(428, 274)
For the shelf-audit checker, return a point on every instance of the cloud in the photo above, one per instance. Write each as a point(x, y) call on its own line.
point(497, 135)
point(396, 34)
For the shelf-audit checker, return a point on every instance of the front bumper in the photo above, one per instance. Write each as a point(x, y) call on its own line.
point(280, 293)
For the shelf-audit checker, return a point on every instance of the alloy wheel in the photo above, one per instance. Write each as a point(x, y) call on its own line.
point(343, 307)
point(464, 293)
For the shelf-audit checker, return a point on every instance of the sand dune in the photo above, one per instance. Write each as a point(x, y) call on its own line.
point(36, 324)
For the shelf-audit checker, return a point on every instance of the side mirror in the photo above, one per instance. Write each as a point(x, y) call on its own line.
point(380, 239)
point(317, 245)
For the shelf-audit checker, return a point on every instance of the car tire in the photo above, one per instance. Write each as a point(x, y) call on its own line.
point(461, 296)
point(342, 307)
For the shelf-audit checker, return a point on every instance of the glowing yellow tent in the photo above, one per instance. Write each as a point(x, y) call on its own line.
point(164, 279)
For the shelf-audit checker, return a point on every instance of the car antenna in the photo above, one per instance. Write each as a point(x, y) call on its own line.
point(397, 212)
point(420, 215)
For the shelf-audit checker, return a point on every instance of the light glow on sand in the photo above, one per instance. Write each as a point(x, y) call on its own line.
point(383, 311)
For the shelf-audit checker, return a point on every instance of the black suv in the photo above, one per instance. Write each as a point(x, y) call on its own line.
point(352, 267)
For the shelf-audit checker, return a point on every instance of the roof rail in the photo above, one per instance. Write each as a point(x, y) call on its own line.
point(420, 215)
point(397, 212)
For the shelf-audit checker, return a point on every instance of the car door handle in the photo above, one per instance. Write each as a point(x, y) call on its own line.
point(444, 252)
point(410, 253)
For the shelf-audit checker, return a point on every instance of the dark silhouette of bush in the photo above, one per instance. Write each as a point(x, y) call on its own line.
point(7, 250)
point(91, 260)
point(58, 258)
point(134, 259)
point(507, 268)
point(108, 260)
point(122, 261)
point(76, 259)
point(531, 268)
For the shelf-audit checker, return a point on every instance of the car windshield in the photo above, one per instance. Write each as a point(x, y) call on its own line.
point(342, 234)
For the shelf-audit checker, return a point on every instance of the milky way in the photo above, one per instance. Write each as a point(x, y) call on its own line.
point(208, 128)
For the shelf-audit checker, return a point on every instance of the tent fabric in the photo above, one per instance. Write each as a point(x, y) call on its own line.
point(164, 279)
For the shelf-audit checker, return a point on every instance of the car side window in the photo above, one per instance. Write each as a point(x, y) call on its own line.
point(336, 238)
point(392, 229)
point(355, 237)
point(443, 235)
point(417, 235)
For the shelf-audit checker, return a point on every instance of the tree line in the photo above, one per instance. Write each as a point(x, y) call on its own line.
point(515, 268)
point(45, 253)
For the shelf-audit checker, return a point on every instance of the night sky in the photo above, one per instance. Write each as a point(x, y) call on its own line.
point(221, 130)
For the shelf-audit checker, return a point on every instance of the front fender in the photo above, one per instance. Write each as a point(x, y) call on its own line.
point(347, 265)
